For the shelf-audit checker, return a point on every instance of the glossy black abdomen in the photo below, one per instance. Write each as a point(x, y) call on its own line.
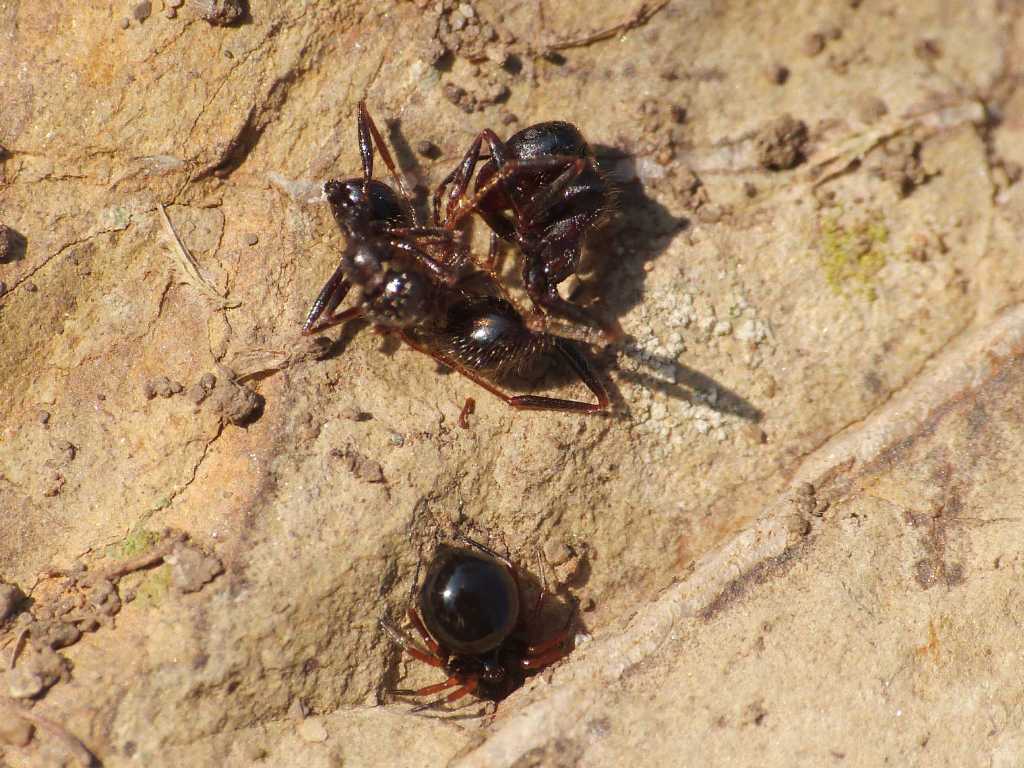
point(469, 602)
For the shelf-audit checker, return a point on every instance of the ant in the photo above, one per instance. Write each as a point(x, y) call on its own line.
point(412, 283)
point(542, 190)
point(473, 627)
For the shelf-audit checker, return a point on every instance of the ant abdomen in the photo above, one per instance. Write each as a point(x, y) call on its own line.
point(486, 333)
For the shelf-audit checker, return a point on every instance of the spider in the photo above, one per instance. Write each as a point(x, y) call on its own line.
point(473, 627)
point(542, 190)
point(413, 282)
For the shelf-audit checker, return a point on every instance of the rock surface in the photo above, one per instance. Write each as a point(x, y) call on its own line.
point(795, 538)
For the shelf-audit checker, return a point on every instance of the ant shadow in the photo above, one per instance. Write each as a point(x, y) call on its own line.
point(16, 246)
point(618, 261)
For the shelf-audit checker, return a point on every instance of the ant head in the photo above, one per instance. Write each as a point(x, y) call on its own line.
point(394, 296)
point(357, 202)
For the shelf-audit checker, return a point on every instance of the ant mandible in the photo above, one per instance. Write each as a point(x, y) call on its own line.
point(542, 190)
point(474, 628)
point(410, 280)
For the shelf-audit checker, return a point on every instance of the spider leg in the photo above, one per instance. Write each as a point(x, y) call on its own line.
point(402, 640)
point(417, 623)
point(546, 658)
point(370, 136)
point(468, 686)
point(430, 690)
point(524, 402)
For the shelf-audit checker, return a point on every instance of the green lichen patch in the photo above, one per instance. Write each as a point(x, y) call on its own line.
point(852, 256)
point(135, 543)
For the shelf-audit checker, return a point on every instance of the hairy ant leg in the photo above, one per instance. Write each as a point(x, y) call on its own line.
point(368, 136)
point(522, 402)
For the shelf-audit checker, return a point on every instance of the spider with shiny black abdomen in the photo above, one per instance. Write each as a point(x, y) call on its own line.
point(473, 627)
point(542, 191)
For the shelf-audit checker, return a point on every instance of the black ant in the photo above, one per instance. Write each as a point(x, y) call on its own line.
point(386, 251)
point(412, 282)
point(474, 628)
point(541, 191)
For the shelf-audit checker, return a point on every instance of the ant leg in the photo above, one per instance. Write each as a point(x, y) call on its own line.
point(446, 273)
point(466, 204)
point(555, 192)
point(368, 129)
point(460, 177)
point(331, 295)
point(543, 271)
point(526, 402)
point(571, 355)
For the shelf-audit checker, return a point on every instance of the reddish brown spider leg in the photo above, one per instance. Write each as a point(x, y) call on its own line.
point(406, 644)
point(546, 659)
point(417, 623)
point(430, 690)
point(539, 650)
point(368, 128)
point(468, 686)
point(521, 402)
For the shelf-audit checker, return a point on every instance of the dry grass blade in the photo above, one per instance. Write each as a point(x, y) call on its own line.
point(190, 267)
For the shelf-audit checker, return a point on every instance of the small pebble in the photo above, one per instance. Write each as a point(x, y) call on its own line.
point(15, 732)
point(814, 44)
point(31, 287)
point(44, 417)
point(125, 23)
point(778, 74)
point(171, 13)
point(313, 731)
point(397, 439)
point(142, 11)
point(557, 551)
point(427, 148)
point(251, 238)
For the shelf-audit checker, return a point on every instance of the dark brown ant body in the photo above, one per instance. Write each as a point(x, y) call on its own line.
point(474, 628)
point(541, 191)
point(412, 282)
